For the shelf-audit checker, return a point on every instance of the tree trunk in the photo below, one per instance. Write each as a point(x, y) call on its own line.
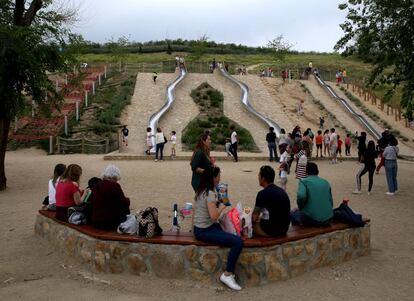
point(4, 133)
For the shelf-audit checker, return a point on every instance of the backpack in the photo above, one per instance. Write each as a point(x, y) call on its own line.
point(147, 221)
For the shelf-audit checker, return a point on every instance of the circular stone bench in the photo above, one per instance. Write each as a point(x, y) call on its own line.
point(175, 255)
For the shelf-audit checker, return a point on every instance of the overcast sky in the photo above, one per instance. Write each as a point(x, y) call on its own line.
point(308, 24)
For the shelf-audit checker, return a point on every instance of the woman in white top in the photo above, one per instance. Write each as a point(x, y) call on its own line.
point(50, 202)
point(159, 144)
point(390, 163)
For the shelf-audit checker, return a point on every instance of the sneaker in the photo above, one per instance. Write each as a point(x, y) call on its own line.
point(369, 193)
point(156, 160)
point(389, 193)
point(230, 282)
point(356, 191)
point(395, 192)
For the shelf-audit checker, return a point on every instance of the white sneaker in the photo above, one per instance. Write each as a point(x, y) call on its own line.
point(156, 160)
point(389, 193)
point(230, 282)
point(395, 192)
point(369, 193)
point(356, 191)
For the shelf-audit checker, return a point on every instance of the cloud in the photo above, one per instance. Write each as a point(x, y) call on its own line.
point(310, 25)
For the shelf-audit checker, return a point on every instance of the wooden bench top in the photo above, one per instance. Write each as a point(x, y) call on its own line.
point(187, 238)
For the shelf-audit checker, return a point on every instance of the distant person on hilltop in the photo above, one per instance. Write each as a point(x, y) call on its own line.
point(321, 122)
point(154, 77)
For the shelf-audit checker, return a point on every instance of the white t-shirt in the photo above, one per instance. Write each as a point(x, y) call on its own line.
point(52, 191)
point(233, 137)
point(333, 139)
point(284, 159)
point(283, 139)
point(173, 139)
point(159, 138)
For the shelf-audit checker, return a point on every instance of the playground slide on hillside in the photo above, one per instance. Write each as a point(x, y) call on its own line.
point(245, 101)
point(155, 118)
point(361, 119)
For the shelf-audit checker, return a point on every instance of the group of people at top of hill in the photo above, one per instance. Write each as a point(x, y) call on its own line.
point(272, 214)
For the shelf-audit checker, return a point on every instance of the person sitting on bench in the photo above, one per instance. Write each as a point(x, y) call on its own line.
point(109, 205)
point(271, 216)
point(314, 199)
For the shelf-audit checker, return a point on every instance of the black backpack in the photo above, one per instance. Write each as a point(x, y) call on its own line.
point(148, 225)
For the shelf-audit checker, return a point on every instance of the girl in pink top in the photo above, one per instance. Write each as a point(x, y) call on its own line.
point(68, 193)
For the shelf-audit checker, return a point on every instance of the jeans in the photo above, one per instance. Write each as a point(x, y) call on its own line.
point(391, 169)
point(363, 170)
point(159, 147)
point(214, 234)
point(299, 218)
point(233, 151)
point(272, 150)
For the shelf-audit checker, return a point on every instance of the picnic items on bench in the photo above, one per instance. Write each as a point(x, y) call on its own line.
point(238, 221)
point(144, 223)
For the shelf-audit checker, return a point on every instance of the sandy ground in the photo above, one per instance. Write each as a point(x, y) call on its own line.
point(31, 270)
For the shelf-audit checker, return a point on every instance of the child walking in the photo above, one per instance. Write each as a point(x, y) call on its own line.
point(173, 140)
point(348, 143)
point(319, 141)
point(149, 141)
point(339, 149)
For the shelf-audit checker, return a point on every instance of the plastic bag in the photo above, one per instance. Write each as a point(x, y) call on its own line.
point(130, 226)
point(246, 222)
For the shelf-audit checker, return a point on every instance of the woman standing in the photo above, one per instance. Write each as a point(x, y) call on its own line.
point(367, 165)
point(271, 144)
point(390, 156)
point(201, 161)
point(206, 228)
point(159, 144)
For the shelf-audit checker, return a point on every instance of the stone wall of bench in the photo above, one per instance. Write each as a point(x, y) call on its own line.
point(204, 263)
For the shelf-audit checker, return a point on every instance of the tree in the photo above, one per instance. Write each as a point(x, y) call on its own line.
point(279, 48)
point(199, 48)
point(382, 33)
point(31, 40)
point(118, 49)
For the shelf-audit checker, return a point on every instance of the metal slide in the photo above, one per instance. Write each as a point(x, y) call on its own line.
point(155, 118)
point(246, 103)
point(361, 119)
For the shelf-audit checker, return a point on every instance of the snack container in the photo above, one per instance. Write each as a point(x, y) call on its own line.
point(222, 191)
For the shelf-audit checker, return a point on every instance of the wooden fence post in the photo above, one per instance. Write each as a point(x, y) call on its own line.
point(50, 145)
point(106, 145)
point(58, 144)
point(83, 145)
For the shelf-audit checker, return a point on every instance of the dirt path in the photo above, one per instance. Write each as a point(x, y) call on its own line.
point(147, 99)
point(334, 107)
point(30, 269)
point(264, 102)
